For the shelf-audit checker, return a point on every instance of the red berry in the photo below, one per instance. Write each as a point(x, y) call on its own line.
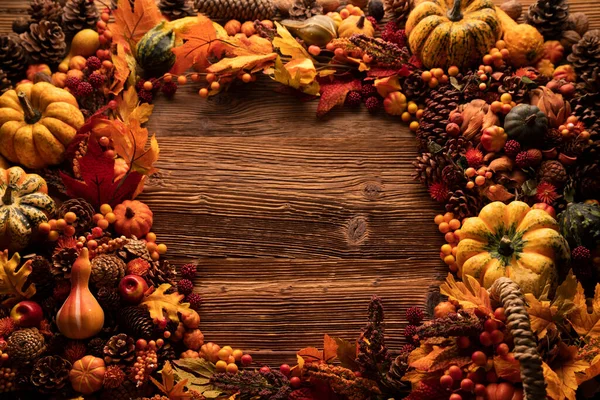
point(455, 396)
point(373, 104)
point(497, 337)
point(502, 349)
point(353, 99)
point(72, 82)
point(84, 89)
point(185, 286)
point(246, 360)
point(93, 63)
point(169, 89)
point(96, 79)
point(455, 373)
point(499, 313)
point(295, 382)
point(463, 342)
point(479, 358)
point(446, 381)
point(112, 105)
point(195, 301)
point(485, 339)
point(467, 385)
point(264, 370)
point(188, 271)
point(480, 390)
point(490, 325)
point(285, 369)
point(415, 315)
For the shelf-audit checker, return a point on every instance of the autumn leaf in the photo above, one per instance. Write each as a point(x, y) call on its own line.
point(197, 45)
point(13, 278)
point(499, 193)
point(129, 107)
point(591, 372)
point(553, 385)
point(346, 353)
point(168, 386)
point(508, 368)
point(124, 62)
point(130, 25)
point(387, 85)
point(567, 367)
point(250, 63)
point(469, 293)
point(245, 46)
point(162, 306)
point(288, 45)
point(542, 315)
point(440, 358)
point(310, 354)
point(334, 94)
point(282, 74)
point(330, 348)
point(197, 372)
point(584, 323)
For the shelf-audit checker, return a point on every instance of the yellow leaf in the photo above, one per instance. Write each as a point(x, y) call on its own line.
point(387, 85)
point(162, 306)
point(303, 68)
point(288, 45)
point(330, 348)
point(245, 46)
point(440, 358)
point(300, 361)
point(469, 294)
point(415, 376)
point(251, 63)
point(567, 369)
point(584, 323)
point(541, 314)
point(130, 25)
point(591, 372)
point(129, 107)
point(552, 383)
point(565, 293)
point(12, 281)
point(124, 63)
point(508, 368)
point(282, 75)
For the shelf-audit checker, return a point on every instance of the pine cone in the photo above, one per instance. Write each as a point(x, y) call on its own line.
point(79, 15)
point(136, 321)
point(109, 298)
point(393, 378)
point(84, 211)
point(50, 373)
point(452, 176)
point(45, 42)
point(550, 17)
point(414, 87)
point(96, 347)
point(136, 249)
point(464, 203)
point(438, 106)
point(25, 345)
point(514, 86)
point(244, 10)
point(13, 57)
point(175, 9)
point(302, 9)
point(553, 172)
point(429, 167)
point(587, 178)
point(107, 270)
point(585, 59)
point(41, 276)
point(458, 146)
point(159, 273)
point(400, 8)
point(21, 25)
point(62, 261)
point(49, 10)
point(587, 109)
point(166, 353)
point(5, 83)
point(119, 349)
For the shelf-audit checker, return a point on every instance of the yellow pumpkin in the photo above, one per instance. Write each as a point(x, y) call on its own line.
point(37, 123)
point(512, 240)
point(354, 25)
point(525, 44)
point(452, 32)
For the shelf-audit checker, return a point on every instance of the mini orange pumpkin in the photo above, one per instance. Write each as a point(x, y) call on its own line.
point(87, 374)
point(134, 218)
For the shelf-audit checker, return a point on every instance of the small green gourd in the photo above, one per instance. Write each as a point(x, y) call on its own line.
point(153, 52)
point(318, 30)
point(526, 124)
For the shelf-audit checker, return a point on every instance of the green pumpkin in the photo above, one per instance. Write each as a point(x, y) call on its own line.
point(526, 124)
point(24, 204)
point(580, 225)
point(153, 52)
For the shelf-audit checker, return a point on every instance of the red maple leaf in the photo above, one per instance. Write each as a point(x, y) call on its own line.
point(98, 185)
point(334, 93)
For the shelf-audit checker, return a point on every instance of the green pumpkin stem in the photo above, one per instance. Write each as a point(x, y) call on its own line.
point(531, 119)
point(129, 213)
point(7, 197)
point(505, 247)
point(455, 13)
point(361, 22)
point(31, 114)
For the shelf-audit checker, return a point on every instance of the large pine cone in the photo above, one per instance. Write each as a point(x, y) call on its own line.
point(550, 17)
point(553, 172)
point(5, 83)
point(50, 10)
point(109, 298)
point(429, 167)
point(79, 15)
point(399, 8)
point(303, 9)
point(25, 345)
point(82, 209)
point(244, 10)
point(119, 349)
point(175, 9)
point(96, 347)
point(585, 59)
point(414, 87)
point(41, 276)
point(62, 261)
point(45, 42)
point(50, 373)
point(587, 109)
point(464, 203)
point(136, 321)
point(438, 106)
point(13, 57)
point(107, 270)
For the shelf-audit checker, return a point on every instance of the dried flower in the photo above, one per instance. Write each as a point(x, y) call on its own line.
point(373, 356)
point(439, 191)
point(474, 157)
point(552, 104)
point(546, 193)
point(343, 381)
point(386, 54)
point(461, 324)
point(272, 385)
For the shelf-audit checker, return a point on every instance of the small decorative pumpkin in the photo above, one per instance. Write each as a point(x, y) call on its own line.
point(80, 317)
point(580, 224)
point(317, 30)
point(134, 218)
point(37, 123)
point(193, 339)
point(503, 391)
point(524, 43)
point(87, 374)
point(493, 138)
point(444, 33)
point(24, 205)
point(354, 25)
point(513, 241)
point(526, 124)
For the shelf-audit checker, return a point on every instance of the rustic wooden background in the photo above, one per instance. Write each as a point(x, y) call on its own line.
point(294, 221)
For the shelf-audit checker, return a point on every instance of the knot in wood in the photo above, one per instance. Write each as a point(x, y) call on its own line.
point(357, 230)
point(372, 190)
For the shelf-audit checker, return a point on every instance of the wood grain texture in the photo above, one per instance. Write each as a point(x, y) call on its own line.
point(294, 221)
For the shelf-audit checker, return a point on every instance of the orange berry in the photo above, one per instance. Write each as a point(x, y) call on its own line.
point(453, 70)
point(330, 46)
point(482, 86)
point(505, 53)
point(497, 56)
point(103, 223)
point(161, 248)
point(111, 217)
point(437, 72)
point(148, 85)
point(69, 230)
point(426, 76)
point(155, 256)
point(61, 224)
point(232, 368)
point(454, 224)
point(448, 216)
point(414, 126)
point(438, 219)
point(406, 117)
point(246, 78)
point(107, 64)
point(339, 52)
point(506, 108)
point(501, 44)
point(419, 113)
point(195, 77)
point(97, 217)
point(92, 244)
point(248, 28)
point(221, 366)
point(446, 249)
point(151, 237)
point(151, 246)
point(210, 77)
point(454, 250)
point(470, 172)
point(167, 77)
point(215, 86)
point(105, 208)
point(444, 227)
point(53, 236)
point(572, 119)
point(70, 217)
point(433, 82)
point(488, 174)
point(444, 79)
point(483, 78)
point(203, 92)
point(237, 354)
point(453, 267)
point(314, 50)
point(496, 107)
point(44, 228)
point(449, 259)
point(105, 17)
point(480, 180)
point(367, 58)
point(487, 59)
point(449, 237)
point(181, 80)
point(223, 354)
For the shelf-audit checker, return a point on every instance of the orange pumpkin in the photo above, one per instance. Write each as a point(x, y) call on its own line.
point(503, 391)
point(87, 374)
point(133, 218)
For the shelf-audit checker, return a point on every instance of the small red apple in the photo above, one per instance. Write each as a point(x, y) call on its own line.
point(27, 314)
point(132, 288)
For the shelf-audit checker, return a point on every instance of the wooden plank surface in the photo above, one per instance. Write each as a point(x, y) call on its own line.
point(294, 221)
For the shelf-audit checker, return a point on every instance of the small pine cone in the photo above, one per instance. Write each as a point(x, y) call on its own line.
point(50, 373)
point(41, 276)
point(109, 298)
point(82, 209)
point(550, 17)
point(303, 9)
point(458, 146)
point(5, 83)
point(113, 377)
point(429, 168)
point(96, 347)
point(25, 345)
point(62, 261)
point(166, 353)
point(514, 86)
point(585, 59)
point(249, 10)
point(414, 87)
point(398, 368)
point(79, 15)
point(136, 321)
point(176, 9)
point(553, 172)
point(107, 270)
point(13, 56)
point(74, 350)
point(586, 107)
point(136, 249)
point(161, 272)
point(50, 10)
point(399, 8)
point(45, 42)
point(464, 203)
point(119, 349)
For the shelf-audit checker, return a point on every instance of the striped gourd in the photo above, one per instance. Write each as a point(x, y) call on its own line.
point(153, 52)
point(445, 32)
point(580, 224)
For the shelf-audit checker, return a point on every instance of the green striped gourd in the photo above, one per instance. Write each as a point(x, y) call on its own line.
point(580, 225)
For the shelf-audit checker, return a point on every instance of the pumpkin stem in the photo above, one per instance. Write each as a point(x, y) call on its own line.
point(531, 119)
point(129, 213)
point(361, 22)
point(31, 114)
point(505, 248)
point(7, 197)
point(455, 14)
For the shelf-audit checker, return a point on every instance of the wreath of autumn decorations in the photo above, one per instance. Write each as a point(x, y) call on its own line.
point(506, 122)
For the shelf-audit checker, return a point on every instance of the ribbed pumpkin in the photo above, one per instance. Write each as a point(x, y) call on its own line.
point(526, 124)
point(133, 218)
point(354, 25)
point(445, 32)
point(87, 374)
point(512, 240)
point(524, 43)
point(37, 123)
point(153, 52)
point(24, 205)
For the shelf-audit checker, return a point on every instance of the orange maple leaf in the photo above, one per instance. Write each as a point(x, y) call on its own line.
point(197, 44)
point(470, 294)
point(584, 323)
point(130, 25)
point(252, 63)
point(562, 375)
